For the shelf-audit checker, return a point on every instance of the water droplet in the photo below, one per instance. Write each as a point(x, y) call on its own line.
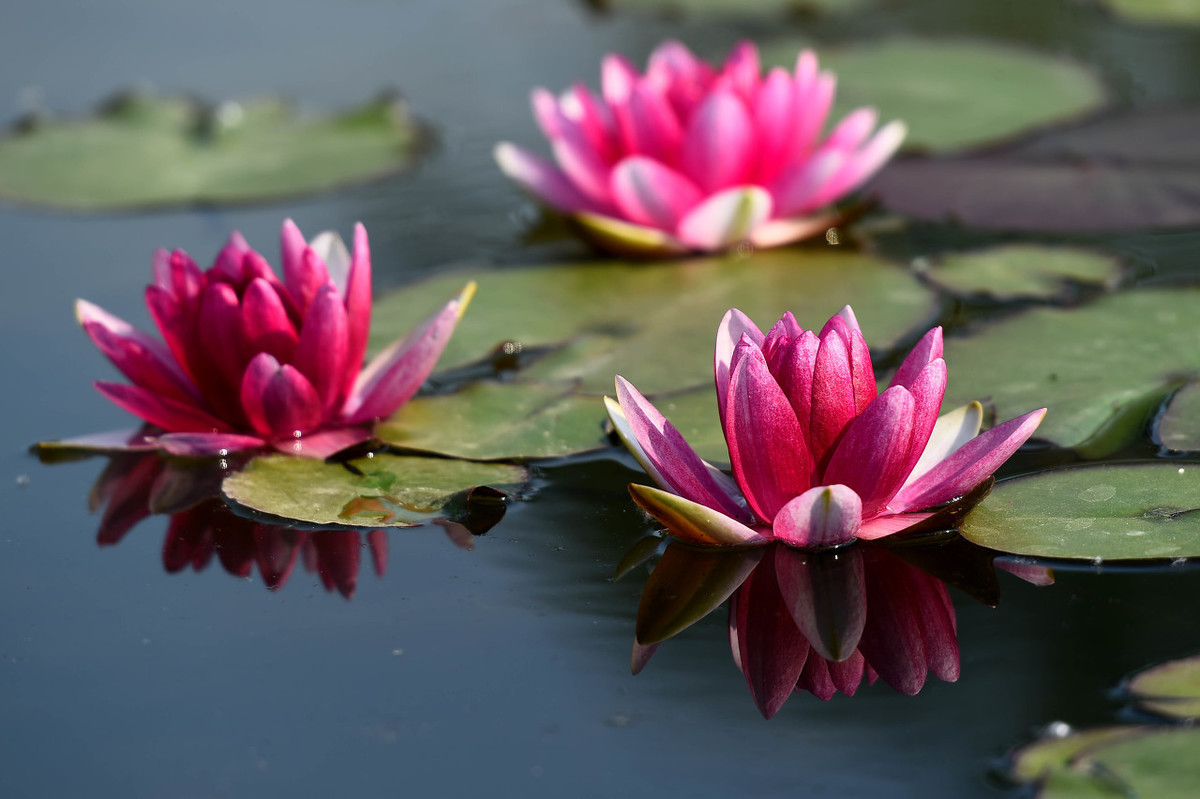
point(1179, 562)
point(1058, 729)
point(223, 452)
point(397, 652)
point(832, 237)
point(223, 464)
point(743, 249)
point(1097, 561)
point(370, 456)
point(297, 434)
point(22, 480)
point(1182, 470)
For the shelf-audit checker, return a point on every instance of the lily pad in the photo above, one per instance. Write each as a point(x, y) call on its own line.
point(1171, 689)
point(141, 150)
point(1099, 513)
point(1039, 759)
point(1179, 427)
point(741, 9)
point(954, 93)
point(1137, 170)
point(1085, 364)
point(656, 323)
point(496, 421)
point(1024, 271)
point(1182, 12)
point(1159, 762)
point(382, 491)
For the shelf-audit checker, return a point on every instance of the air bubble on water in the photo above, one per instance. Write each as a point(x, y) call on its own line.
point(1182, 470)
point(1058, 729)
point(832, 237)
point(1179, 562)
point(370, 456)
point(22, 480)
point(297, 434)
point(224, 453)
point(1097, 561)
point(222, 464)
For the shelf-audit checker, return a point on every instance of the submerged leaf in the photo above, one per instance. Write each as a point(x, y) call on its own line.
point(1170, 689)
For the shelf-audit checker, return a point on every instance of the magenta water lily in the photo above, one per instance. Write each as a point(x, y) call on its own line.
point(688, 158)
point(820, 456)
point(250, 360)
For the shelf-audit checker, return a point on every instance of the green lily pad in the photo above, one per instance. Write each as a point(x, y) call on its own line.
point(1085, 364)
point(1109, 512)
point(1039, 759)
point(1179, 427)
point(496, 421)
point(656, 323)
point(954, 93)
point(1183, 12)
point(141, 150)
point(1170, 689)
point(1024, 271)
point(387, 491)
point(1158, 762)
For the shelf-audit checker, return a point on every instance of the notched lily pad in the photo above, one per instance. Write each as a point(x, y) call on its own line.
point(382, 491)
point(656, 323)
point(142, 150)
point(1171, 689)
point(1024, 271)
point(954, 93)
point(1179, 426)
point(1098, 513)
point(1085, 364)
point(1136, 170)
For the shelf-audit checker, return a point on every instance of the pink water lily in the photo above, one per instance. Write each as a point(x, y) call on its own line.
point(249, 360)
point(688, 158)
point(819, 456)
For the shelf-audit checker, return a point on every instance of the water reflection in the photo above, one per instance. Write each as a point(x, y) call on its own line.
point(135, 486)
point(823, 622)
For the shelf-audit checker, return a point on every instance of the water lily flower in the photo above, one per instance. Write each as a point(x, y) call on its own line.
point(819, 456)
point(688, 158)
point(249, 360)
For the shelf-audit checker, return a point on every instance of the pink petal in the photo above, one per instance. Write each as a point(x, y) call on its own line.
point(770, 459)
point(219, 343)
point(774, 122)
point(617, 78)
point(259, 373)
point(290, 403)
point(821, 517)
point(725, 218)
point(322, 348)
point(649, 193)
point(681, 468)
point(164, 412)
point(883, 526)
point(174, 325)
point(292, 245)
point(862, 375)
point(741, 70)
point(266, 323)
point(951, 431)
point(826, 595)
point(795, 371)
point(546, 182)
point(139, 357)
point(797, 189)
point(833, 401)
point(862, 165)
point(927, 391)
point(306, 279)
point(581, 107)
point(378, 544)
point(228, 263)
point(358, 306)
point(324, 443)
point(719, 147)
point(852, 131)
point(1029, 572)
point(653, 125)
point(899, 602)
point(692, 522)
point(734, 325)
point(545, 111)
point(684, 78)
point(579, 160)
point(200, 445)
point(330, 249)
point(967, 468)
point(871, 456)
point(928, 349)
point(395, 374)
point(813, 101)
point(276, 550)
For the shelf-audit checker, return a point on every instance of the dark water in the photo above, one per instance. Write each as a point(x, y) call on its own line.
point(505, 670)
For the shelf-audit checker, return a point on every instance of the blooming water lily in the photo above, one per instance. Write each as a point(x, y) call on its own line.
point(819, 456)
point(250, 360)
point(690, 158)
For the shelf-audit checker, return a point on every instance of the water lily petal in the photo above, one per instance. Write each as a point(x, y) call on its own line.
point(862, 165)
point(201, 445)
point(853, 130)
point(798, 188)
point(825, 593)
point(395, 374)
point(291, 246)
point(323, 443)
point(692, 522)
point(265, 321)
point(291, 403)
point(970, 465)
point(777, 232)
point(158, 410)
point(545, 111)
point(951, 431)
point(813, 101)
point(583, 165)
point(833, 404)
point(741, 70)
point(543, 180)
point(675, 465)
point(641, 656)
point(927, 391)
point(928, 349)
point(142, 359)
point(649, 193)
point(624, 238)
point(770, 458)
point(734, 325)
point(774, 123)
point(259, 373)
point(358, 306)
point(321, 351)
point(719, 146)
point(824, 516)
point(725, 218)
point(332, 251)
point(871, 456)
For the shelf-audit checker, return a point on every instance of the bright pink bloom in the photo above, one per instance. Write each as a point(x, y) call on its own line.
point(690, 158)
point(250, 360)
point(819, 457)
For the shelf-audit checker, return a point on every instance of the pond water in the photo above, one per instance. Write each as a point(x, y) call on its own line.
point(504, 669)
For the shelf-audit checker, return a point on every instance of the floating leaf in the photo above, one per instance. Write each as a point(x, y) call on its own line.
point(1138, 170)
point(141, 150)
point(954, 93)
point(656, 323)
point(383, 491)
point(1182, 12)
point(1170, 689)
point(1159, 762)
point(1039, 759)
point(1122, 512)
point(1085, 364)
point(1023, 271)
point(494, 421)
point(1179, 427)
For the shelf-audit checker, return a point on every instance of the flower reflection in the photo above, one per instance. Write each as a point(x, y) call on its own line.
point(822, 622)
point(133, 487)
